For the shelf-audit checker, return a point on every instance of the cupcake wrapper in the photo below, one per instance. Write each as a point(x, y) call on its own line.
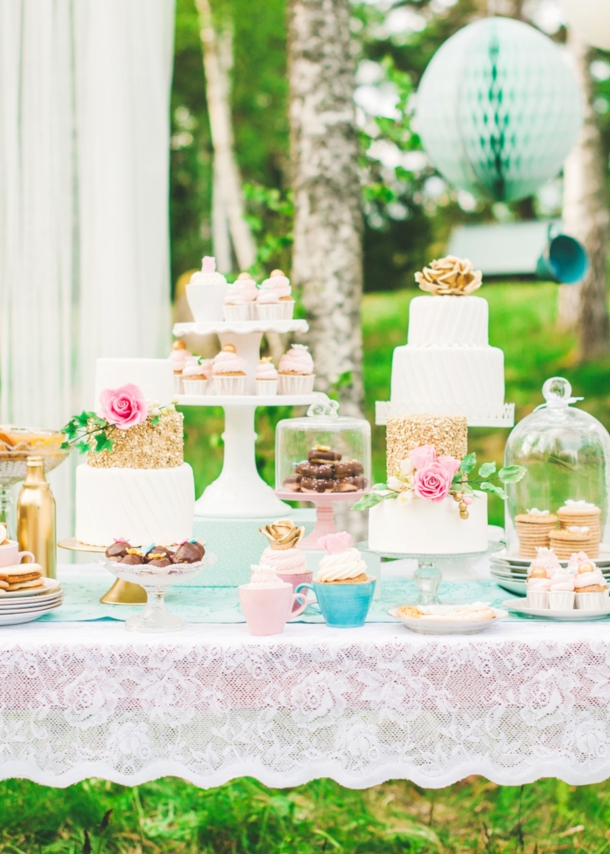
point(561, 600)
point(592, 601)
point(252, 310)
point(229, 385)
point(195, 386)
point(269, 312)
point(236, 312)
point(538, 599)
point(266, 387)
point(296, 384)
point(178, 384)
point(286, 309)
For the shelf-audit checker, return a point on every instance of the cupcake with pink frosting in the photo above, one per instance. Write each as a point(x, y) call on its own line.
point(589, 583)
point(296, 371)
point(282, 554)
point(196, 374)
point(229, 371)
point(235, 306)
point(249, 292)
point(266, 377)
point(179, 358)
point(538, 582)
point(561, 591)
point(274, 300)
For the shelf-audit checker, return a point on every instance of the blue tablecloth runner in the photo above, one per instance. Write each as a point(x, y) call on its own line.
point(220, 604)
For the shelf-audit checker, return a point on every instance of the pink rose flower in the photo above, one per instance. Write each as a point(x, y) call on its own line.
point(450, 464)
point(335, 544)
point(432, 482)
point(124, 407)
point(423, 456)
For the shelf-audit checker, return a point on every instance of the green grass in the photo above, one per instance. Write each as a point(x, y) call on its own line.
point(246, 818)
point(473, 816)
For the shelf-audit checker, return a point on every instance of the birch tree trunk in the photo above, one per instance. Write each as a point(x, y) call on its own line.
point(227, 181)
point(327, 261)
point(585, 216)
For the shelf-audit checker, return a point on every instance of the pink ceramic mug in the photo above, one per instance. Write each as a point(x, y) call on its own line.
point(267, 609)
point(11, 556)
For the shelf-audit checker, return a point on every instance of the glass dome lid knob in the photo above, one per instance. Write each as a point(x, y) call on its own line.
point(324, 406)
point(557, 392)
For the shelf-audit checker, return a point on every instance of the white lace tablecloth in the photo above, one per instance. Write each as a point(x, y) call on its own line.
point(519, 702)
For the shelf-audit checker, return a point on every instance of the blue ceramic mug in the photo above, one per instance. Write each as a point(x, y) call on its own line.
point(343, 606)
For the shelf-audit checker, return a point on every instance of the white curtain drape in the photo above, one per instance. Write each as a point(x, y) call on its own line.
point(84, 246)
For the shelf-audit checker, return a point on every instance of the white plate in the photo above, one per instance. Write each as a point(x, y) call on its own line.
point(459, 627)
point(513, 560)
point(39, 606)
point(49, 584)
point(519, 606)
point(24, 616)
point(31, 600)
point(512, 585)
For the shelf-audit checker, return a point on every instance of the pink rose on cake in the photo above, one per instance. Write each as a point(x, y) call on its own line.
point(432, 482)
point(123, 407)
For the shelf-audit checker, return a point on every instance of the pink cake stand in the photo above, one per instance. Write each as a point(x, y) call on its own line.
point(325, 512)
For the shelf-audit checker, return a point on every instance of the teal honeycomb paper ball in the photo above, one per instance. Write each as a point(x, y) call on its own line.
point(498, 109)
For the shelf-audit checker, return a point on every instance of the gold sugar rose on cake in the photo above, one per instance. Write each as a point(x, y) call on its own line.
point(450, 276)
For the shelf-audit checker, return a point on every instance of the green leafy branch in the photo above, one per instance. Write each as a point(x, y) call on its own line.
point(88, 432)
point(463, 483)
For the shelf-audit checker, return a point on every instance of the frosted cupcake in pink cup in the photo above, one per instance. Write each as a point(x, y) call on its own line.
point(538, 582)
point(282, 554)
point(266, 377)
point(179, 358)
point(229, 371)
point(296, 371)
point(274, 300)
point(268, 602)
point(590, 586)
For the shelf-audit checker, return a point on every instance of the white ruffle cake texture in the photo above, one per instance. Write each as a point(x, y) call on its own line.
point(427, 527)
point(447, 366)
point(140, 505)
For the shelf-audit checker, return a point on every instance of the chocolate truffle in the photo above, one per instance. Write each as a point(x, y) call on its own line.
point(158, 551)
point(189, 553)
point(117, 549)
point(133, 560)
point(160, 561)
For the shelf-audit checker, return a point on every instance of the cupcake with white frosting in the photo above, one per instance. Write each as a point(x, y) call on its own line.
point(179, 358)
point(561, 590)
point(538, 582)
point(263, 578)
point(249, 292)
point(296, 374)
point(229, 371)
point(266, 377)
point(342, 563)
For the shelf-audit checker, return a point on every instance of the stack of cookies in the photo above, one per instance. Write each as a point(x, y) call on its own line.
point(326, 471)
point(566, 541)
point(533, 530)
point(23, 576)
point(578, 515)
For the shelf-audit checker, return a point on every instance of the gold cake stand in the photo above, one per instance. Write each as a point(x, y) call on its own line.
point(121, 592)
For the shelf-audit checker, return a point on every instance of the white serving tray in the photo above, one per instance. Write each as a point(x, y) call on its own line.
point(510, 560)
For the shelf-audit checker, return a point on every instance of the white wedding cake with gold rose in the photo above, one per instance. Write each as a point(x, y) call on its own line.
point(447, 366)
point(138, 487)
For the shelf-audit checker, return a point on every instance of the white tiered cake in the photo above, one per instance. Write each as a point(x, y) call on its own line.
point(141, 490)
point(447, 366)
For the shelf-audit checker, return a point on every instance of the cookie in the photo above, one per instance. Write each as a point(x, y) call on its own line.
point(310, 484)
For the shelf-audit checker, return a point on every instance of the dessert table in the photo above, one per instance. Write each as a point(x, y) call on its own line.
point(523, 700)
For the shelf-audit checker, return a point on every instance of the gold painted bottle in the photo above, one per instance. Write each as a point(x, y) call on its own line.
point(36, 517)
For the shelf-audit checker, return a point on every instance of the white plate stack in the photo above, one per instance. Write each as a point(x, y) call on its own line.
point(24, 606)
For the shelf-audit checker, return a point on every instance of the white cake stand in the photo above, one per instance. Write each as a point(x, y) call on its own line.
point(239, 491)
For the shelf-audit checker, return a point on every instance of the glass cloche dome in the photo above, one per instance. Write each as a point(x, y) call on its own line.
point(323, 452)
point(566, 453)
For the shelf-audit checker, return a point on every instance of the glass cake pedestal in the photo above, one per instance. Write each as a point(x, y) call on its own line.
point(239, 491)
point(434, 568)
point(122, 592)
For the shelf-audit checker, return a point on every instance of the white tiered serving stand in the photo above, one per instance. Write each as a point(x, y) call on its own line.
point(239, 491)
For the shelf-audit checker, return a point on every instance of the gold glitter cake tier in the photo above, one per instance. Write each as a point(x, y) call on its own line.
point(145, 446)
point(448, 434)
